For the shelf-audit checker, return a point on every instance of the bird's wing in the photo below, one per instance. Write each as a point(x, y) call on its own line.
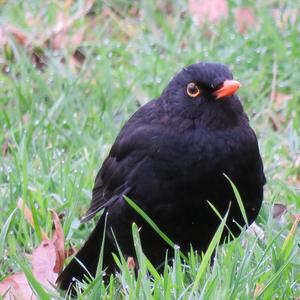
point(131, 146)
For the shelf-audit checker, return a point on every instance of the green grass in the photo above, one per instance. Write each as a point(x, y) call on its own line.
point(60, 122)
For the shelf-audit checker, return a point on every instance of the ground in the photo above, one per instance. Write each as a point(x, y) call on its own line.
point(72, 74)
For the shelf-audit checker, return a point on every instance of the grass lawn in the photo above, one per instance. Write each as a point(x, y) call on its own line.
point(60, 116)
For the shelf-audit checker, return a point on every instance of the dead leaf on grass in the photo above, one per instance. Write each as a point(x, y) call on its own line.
point(244, 19)
point(280, 100)
point(16, 287)
point(208, 11)
point(58, 241)
point(279, 211)
point(28, 216)
point(46, 260)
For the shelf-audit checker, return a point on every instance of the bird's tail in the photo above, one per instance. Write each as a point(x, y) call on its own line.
point(86, 260)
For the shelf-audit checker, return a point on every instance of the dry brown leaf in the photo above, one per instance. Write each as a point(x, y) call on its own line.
point(244, 19)
point(64, 23)
point(43, 259)
point(58, 241)
point(70, 251)
point(16, 287)
point(5, 146)
point(47, 261)
point(17, 33)
point(57, 36)
point(208, 11)
point(3, 38)
point(28, 216)
point(278, 212)
point(280, 100)
point(43, 263)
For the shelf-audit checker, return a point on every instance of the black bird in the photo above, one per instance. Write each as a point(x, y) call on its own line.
point(170, 158)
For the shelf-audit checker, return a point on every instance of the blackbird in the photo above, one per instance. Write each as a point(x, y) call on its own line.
point(170, 159)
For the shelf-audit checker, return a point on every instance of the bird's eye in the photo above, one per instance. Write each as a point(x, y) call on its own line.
point(192, 90)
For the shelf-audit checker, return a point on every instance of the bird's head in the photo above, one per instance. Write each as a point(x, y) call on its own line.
point(202, 88)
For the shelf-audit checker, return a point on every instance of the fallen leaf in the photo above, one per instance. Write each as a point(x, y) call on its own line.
point(208, 11)
point(70, 251)
point(278, 212)
point(16, 287)
point(5, 147)
point(280, 100)
point(17, 33)
point(244, 19)
point(43, 261)
point(64, 24)
point(28, 216)
point(46, 260)
point(58, 241)
point(57, 36)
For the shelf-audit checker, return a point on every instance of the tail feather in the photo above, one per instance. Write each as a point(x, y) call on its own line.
point(88, 255)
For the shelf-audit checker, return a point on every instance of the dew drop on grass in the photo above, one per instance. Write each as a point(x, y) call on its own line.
point(238, 59)
point(258, 50)
point(36, 122)
point(105, 41)
point(98, 57)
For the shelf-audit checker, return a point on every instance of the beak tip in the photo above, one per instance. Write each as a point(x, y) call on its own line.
point(228, 88)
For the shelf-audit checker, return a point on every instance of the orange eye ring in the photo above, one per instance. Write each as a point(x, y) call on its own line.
point(192, 90)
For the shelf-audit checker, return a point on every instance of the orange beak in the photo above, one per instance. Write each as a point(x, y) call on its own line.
point(228, 88)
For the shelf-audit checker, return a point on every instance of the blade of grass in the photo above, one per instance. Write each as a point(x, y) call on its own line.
point(276, 275)
point(5, 229)
point(153, 225)
point(239, 200)
point(207, 256)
